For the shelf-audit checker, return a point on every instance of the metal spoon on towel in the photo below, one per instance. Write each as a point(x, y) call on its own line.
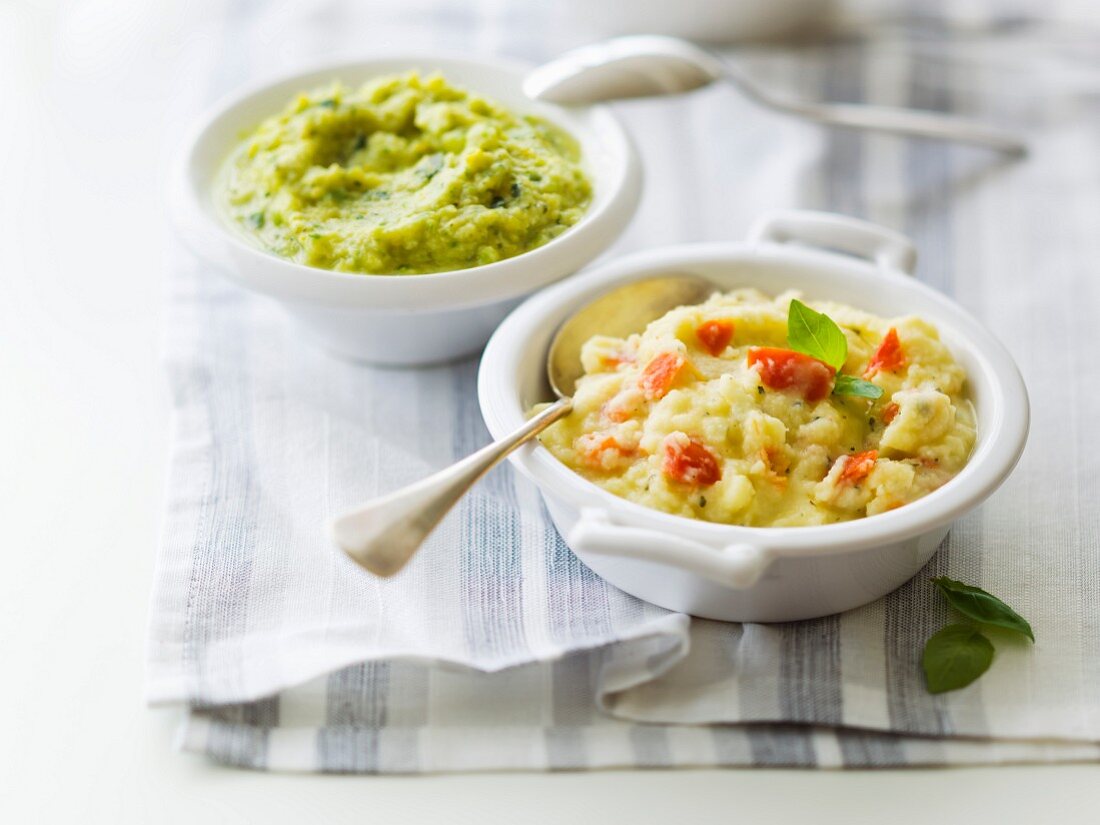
point(647, 65)
point(383, 534)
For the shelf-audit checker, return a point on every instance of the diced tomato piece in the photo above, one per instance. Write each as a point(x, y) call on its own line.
point(889, 356)
point(660, 374)
point(783, 369)
point(890, 412)
point(715, 336)
point(602, 451)
point(857, 467)
point(689, 461)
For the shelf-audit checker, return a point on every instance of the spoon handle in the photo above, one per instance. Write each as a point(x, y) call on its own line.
point(383, 534)
point(911, 122)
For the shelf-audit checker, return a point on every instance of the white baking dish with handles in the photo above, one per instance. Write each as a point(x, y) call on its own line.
point(738, 573)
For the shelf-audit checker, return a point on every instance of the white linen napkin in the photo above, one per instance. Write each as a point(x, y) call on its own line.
point(497, 648)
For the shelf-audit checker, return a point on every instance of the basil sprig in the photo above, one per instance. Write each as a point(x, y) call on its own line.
point(960, 653)
point(817, 335)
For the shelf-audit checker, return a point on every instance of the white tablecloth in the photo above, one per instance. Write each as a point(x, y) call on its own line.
point(497, 648)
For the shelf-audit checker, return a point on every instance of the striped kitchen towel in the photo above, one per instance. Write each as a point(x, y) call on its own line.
point(497, 648)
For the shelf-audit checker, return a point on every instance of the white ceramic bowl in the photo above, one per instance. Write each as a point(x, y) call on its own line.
point(403, 319)
point(747, 573)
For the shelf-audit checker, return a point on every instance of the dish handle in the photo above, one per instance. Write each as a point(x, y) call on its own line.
point(885, 247)
point(738, 566)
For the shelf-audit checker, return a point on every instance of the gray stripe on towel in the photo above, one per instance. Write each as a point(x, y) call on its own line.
point(355, 712)
point(238, 734)
point(781, 746)
point(491, 542)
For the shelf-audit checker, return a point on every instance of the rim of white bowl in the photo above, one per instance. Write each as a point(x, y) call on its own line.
point(212, 238)
point(1000, 443)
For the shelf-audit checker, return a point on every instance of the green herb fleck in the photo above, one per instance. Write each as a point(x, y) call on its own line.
point(257, 220)
point(430, 166)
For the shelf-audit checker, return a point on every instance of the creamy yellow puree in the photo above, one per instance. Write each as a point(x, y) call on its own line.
point(404, 175)
point(677, 419)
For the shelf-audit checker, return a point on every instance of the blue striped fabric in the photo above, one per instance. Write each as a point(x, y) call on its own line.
point(498, 649)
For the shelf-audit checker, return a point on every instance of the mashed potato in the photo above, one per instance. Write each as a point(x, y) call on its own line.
point(404, 175)
point(709, 415)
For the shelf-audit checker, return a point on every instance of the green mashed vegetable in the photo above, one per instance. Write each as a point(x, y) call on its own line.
point(404, 175)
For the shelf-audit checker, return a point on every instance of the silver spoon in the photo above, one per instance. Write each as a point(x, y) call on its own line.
point(646, 65)
point(383, 534)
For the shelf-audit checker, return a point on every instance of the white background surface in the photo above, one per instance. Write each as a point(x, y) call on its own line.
point(83, 441)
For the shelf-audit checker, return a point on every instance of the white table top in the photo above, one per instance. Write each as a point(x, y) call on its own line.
point(85, 432)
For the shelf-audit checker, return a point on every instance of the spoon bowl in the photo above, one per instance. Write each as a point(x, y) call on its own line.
point(621, 68)
point(383, 534)
point(618, 313)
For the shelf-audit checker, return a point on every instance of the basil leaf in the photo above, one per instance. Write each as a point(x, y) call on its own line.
point(816, 334)
point(955, 657)
point(850, 385)
point(981, 606)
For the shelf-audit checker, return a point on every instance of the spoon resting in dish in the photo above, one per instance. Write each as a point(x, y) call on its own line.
point(384, 533)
